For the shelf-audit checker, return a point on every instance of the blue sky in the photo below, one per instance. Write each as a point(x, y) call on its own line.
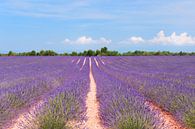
point(67, 25)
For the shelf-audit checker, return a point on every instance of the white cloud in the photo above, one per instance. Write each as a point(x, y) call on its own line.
point(103, 40)
point(181, 39)
point(66, 40)
point(84, 40)
point(161, 38)
point(136, 39)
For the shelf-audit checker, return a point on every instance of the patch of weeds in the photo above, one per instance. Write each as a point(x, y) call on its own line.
point(131, 123)
point(152, 94)
point(15, 101)
point(190, 118)
point(179, 102)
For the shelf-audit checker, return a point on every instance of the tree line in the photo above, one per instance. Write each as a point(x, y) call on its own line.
point(102, 52)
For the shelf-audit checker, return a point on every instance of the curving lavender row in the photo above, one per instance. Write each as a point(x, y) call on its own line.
point(41, 79)
point(167, 81)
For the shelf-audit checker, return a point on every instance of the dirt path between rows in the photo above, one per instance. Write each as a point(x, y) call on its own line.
point(96, 62)
point(83, 64)
point(102, 61)
point(165, 119)
point(78, 61)
point(93, 119)
point(26, 120)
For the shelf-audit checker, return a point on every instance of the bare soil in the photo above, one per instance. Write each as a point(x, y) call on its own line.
point(93, 121)
point(27, 119)
point(96, 62)
point(78, 61)
point(166, 120)
point(83, 64)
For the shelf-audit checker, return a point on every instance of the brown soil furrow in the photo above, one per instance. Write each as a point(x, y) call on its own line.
point(96, 62)
point(83, 64)
point(27, 119)
point(78, 61)
point(165, 119)
point(102, 61)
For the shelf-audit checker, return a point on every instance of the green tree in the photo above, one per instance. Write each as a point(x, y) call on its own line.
point(50, 53)
point(32, 53)
point(157, 53)
point(65, 54)
point(84, 53)
point(90, 53)
point(104, 50)
point(74, 53)
point(41, 53)
point(112, 53)
point(10, 53)
point(97, 52)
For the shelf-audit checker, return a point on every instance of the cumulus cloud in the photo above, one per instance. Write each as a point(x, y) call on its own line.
point(135, 39)
point(103, 40)
point(66, 41)
point(181, 39)
point(84, 40)
point(161, 38)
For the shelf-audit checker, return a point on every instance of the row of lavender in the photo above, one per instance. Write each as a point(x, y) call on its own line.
point(124, 84)
point(55, 81)
point(167, 81)
point(121, 106)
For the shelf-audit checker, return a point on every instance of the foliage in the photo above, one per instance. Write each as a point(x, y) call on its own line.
point(190, 117)
point(74, 53)
point(130, 123)
point(102, 52)
point(10, 53)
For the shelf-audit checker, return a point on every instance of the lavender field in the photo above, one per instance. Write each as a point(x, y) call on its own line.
point(131, 92)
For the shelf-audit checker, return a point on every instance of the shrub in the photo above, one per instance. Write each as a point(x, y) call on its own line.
point(130, 123)
point(190, 118)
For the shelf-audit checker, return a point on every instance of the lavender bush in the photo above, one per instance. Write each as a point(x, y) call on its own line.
point(167, 81)
point(120, 105)
point(26, 80)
